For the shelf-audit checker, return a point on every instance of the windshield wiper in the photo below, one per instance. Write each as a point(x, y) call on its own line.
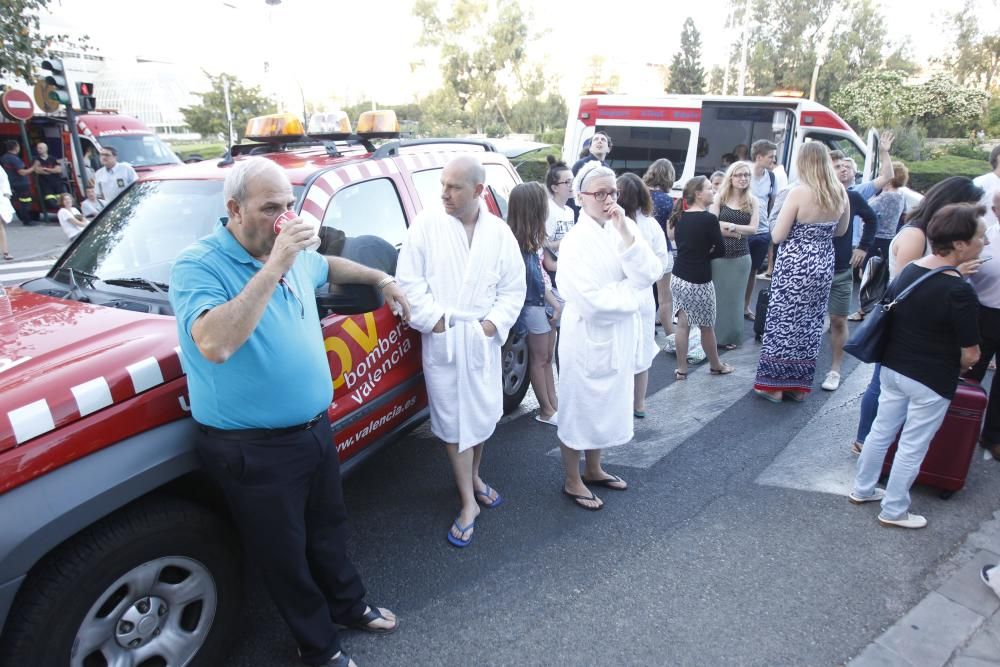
point(159, 288)
point(74, 290)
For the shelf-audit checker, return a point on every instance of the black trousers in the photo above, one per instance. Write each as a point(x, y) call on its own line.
point(989, 334)
point(286, 497)
point(22, 204)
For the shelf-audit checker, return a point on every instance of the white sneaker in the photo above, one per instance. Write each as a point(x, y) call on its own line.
point(908, 521)
point(990, 574)
point(832, 381)
point(763, 276)
point(877, 494)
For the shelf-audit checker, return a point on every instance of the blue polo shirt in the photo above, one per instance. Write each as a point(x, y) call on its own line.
point(280, 376)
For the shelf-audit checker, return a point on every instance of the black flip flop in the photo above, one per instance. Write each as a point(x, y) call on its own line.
point(373, 614)
point(607, 482)
point(577, 499)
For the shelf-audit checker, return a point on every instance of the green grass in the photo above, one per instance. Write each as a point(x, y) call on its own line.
point(925, 173)
point(206, 150)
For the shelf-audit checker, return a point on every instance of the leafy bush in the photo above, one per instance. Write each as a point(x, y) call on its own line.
point(926, 173)
point(909, 144)
point(967, 149)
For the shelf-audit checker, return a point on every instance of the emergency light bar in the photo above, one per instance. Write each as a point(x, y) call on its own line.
point(283, 126)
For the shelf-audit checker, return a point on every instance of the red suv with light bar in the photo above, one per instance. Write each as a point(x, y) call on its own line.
point(114, 549)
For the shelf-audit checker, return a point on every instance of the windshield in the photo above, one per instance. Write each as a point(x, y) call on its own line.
point(140, 150)
point(141, 233)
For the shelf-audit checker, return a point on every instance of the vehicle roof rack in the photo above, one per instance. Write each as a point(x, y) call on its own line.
point(391, 148)
point(332, 143)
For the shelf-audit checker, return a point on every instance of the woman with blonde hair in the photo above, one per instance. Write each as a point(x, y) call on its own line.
point(813, 213)
point(736, 208)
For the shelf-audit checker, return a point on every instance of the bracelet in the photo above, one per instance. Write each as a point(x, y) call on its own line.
point(385, 282)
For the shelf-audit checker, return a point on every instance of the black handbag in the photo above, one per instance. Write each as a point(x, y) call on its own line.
point(874, 282)
point(868, 341)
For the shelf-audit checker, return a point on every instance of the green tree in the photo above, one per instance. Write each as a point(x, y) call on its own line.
point(975, 58)
point(22, 42)
point(209, 117)
point(883, 98)
point(488, 86)
point(686, 73)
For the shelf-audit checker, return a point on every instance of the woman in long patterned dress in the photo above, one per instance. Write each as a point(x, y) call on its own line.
point(736, 208)
point(814, 212)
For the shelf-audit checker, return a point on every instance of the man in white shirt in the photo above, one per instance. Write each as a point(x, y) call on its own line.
point(990, 183)
point(113, 176)
point(765, 184)
point(986, 282)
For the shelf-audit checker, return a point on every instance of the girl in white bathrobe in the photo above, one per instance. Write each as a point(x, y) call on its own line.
point(604, 264)
point(637, 202)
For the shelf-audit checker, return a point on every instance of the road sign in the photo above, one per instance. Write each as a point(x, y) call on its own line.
point(43, 96)
point(16, 105)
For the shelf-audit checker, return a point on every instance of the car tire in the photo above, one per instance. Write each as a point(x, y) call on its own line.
point(160, 579)
point(515, 376)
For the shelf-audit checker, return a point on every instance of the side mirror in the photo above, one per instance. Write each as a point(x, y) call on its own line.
point(349, 300)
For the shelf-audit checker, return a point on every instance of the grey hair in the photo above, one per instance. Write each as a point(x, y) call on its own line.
point(235, 187)
point(588, 172)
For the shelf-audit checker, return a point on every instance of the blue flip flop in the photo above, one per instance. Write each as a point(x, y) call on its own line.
point(458, 542)
point(486, 494)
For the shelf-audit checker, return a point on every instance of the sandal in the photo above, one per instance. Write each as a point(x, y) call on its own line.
point(725, 370)
point(768, 396)
point(579, 501)
point(750, 316)
point(856, 447)
point(639, 414)
point(483, 498)
point(728, 347)
point(856, 317)
point(7, 256)
point(458, 541)
point(797, 396)
point(680, 375)
point(611, 482)
point(374, 613)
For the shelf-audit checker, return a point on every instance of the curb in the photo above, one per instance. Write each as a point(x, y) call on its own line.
point(958, 622)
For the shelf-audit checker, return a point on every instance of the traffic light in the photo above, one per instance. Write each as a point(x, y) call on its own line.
point(85, 93)
point(57, 80)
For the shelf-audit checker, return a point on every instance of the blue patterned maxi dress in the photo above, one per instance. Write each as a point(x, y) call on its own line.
point(800, 289)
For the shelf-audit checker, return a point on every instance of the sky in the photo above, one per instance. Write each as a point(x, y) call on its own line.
point(350, 51)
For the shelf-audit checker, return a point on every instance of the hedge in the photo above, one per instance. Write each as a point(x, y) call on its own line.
point(925, 173)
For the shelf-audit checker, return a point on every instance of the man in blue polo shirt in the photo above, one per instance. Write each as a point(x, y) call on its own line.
point(260, 387)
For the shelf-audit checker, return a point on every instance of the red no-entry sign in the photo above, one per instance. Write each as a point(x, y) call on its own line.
point(16, 105)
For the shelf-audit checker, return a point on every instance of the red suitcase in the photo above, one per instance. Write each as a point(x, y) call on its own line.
point(950, 455)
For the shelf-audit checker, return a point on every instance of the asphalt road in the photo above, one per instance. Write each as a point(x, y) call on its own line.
point(733, 545)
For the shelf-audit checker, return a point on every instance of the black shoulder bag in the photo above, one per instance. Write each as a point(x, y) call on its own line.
point(868, 341)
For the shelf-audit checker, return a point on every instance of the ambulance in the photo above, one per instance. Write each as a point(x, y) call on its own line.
point(694, 132)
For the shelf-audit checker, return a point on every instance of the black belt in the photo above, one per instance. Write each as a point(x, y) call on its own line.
point(260, 433)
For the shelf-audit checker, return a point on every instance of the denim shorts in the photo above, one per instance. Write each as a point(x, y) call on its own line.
point(536, 320)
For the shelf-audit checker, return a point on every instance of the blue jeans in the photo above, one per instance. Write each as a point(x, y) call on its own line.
point(869, 406)
point(920, 411)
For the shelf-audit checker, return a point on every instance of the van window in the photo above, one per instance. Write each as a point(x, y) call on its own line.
point(727, 126)
point(368, 208)
point(635, 148)
point(427, 183)
point(838, 143)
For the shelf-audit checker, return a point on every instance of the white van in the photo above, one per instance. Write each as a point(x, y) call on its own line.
point(695, 131)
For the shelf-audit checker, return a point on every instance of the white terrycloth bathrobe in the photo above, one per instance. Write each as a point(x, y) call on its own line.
point(653, 234)
point(443, 276)
point(599, 343)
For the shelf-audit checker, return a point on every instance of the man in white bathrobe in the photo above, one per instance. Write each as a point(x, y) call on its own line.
point(462, 272)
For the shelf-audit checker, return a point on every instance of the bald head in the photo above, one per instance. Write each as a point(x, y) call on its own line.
point(462, 182)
